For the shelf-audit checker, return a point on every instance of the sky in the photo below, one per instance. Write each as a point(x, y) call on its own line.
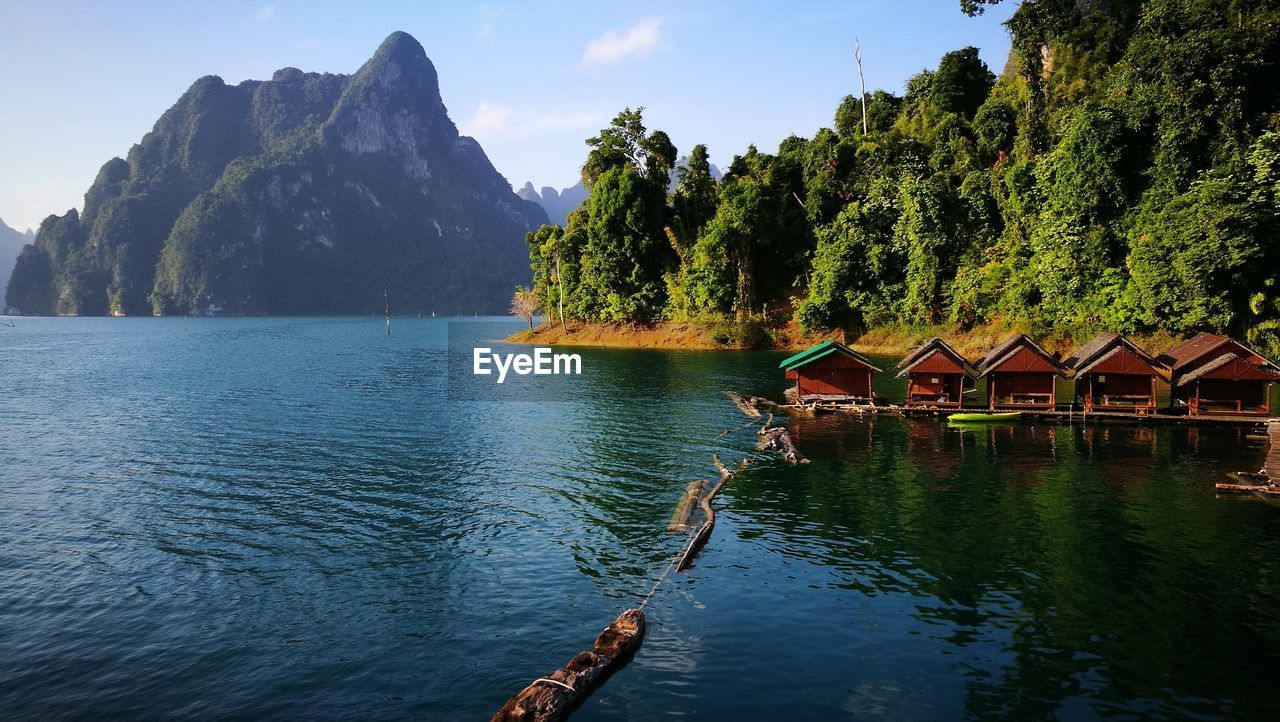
point(81, 82)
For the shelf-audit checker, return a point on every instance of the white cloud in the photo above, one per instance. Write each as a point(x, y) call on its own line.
point(266, 13)
point(492, 120)
point(489, 118)
point(635, 41)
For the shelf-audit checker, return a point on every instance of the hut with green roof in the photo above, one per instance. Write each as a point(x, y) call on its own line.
point(830, 371)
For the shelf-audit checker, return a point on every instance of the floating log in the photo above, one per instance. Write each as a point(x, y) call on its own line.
point(747, 405)
point(684, 509)
point(1248, 488)
point(554, 696)
point(700, 538)
point(776, 438)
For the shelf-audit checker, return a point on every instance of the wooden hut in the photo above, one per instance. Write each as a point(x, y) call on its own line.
point(1214, 374)
point(1020, 375)
point(1113, 374)
point(831, 371)
point(937, 375)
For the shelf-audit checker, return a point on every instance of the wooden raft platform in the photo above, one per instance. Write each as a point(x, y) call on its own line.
point(1266, 481)
point(1272, 467)
point(1055, 414)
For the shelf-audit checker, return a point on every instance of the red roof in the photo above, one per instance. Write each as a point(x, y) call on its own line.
point(1201, 346)
point(1009, 348)
point(1104, 347)
point(1204, 348)
point(933, 348)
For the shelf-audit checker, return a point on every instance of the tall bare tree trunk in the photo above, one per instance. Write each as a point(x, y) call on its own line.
point(862, 85)
point(560, 280)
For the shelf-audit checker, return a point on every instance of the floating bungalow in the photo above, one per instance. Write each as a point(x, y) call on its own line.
point(937, 376)
point(831, 371)
point(1020, 375)
point(1212, 374)
point(1113, 374)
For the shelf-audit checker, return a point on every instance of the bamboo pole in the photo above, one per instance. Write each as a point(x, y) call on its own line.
point(560, 280)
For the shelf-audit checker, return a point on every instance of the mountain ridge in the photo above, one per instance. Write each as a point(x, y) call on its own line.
point(560, 203)
point(310, 193)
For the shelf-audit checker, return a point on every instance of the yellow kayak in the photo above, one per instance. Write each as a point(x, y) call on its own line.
point(998, 416)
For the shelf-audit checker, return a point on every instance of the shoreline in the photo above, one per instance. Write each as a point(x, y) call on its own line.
point(702, 336)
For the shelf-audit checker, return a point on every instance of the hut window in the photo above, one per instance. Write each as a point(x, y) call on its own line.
point(934, 380)
point(1102, 378)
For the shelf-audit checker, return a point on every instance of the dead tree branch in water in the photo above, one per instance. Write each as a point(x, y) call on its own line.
point(776, 438)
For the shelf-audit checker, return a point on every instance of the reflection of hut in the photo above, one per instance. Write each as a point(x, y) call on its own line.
point(1020, 375)
point(936, 375)
point(1214, 374)
point(830, 371)
point(1113, 374)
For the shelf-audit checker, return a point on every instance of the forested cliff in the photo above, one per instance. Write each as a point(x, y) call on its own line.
point(1121, 172)
point(305, 194)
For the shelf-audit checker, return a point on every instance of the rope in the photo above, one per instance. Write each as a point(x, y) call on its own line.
point(753, 422)
point(662, 577)
point(684, 547)
point(553, 681)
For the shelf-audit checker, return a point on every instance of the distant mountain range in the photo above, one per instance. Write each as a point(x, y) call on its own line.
point(559, 204)
point(11, 243)
point(308, 193)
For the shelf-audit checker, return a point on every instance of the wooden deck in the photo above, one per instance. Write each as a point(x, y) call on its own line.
point(844, 406)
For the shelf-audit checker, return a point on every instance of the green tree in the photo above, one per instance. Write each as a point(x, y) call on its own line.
point(961, 82)
point(694, 202)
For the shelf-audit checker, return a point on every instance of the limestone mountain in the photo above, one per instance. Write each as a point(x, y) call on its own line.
point(557, 204)
point(305, 194)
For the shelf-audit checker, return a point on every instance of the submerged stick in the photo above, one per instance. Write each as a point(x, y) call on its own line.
point(684, 509)
point(552, 697)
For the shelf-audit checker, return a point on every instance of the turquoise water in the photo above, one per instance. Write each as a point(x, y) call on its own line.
point(292, 519)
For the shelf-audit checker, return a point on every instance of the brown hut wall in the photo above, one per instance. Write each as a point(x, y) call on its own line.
point(835, 380)
point(936, 363)
point(836, 375)
point(1123, 362)
point(1023, 360)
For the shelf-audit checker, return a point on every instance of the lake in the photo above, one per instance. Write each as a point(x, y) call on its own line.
point(295, 519)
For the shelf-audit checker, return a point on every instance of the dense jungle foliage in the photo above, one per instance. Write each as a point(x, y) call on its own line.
point(1121, 173)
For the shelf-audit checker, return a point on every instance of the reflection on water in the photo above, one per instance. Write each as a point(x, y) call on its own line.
point(291, 518)
point(1054, 570)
